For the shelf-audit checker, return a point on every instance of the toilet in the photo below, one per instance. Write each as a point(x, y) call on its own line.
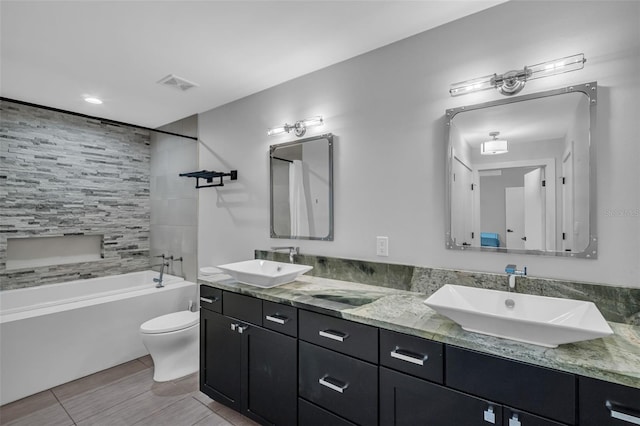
point(173, 341)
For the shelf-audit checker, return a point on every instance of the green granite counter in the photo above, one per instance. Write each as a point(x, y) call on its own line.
point(615, 358)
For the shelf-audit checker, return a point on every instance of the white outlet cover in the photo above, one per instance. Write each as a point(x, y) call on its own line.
point(382, 246)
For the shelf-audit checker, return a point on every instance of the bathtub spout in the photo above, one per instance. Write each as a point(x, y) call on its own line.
point(159, 279)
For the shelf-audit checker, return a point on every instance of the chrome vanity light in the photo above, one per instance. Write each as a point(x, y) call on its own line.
point(513, 82)
point(299, 127)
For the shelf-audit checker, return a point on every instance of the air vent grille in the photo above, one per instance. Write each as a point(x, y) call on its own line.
point(177, 82)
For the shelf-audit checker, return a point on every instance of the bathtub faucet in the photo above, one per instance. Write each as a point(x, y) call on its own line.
point(293, 251)
point(159, 279)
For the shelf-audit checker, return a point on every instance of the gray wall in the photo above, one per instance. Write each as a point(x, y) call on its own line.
point(61, 174)
point(387, 108)
point(174, 199)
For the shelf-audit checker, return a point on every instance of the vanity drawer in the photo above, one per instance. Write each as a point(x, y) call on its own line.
point(413, 355)
point(245, 308)
point(280, 318)
point(513, 417)
point(542, 391)
point(312, 415)
point(603, 403)
point(344, 385)
point(211, 298)
point(340, 335)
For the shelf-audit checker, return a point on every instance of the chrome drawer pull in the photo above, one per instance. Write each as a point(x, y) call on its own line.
point(204, 299)
point(277, 319)
point(489, 415)
point(625, 417)
point(333, 335)
point(408, 356)
point(331, 386)
point(514, 421)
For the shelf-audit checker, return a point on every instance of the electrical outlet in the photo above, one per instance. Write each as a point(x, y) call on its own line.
point(382, 246)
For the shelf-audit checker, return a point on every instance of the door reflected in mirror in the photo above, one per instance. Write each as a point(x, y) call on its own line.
point(521, 174)
point(302, 189)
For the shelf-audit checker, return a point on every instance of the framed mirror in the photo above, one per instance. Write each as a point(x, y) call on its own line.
point(521, 174)
point(302, 189)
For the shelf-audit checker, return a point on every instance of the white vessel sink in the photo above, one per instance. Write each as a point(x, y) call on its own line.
point(540, 320)
point(264, 273)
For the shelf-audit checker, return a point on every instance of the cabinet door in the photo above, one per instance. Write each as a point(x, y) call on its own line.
point(270, 383)
point(339, 383)
point(409, 401)
point(608, 404)
point(312, 415)
point(514, 417)
point(220, 359)
point(538, 390)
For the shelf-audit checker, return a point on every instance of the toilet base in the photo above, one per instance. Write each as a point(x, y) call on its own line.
point(174, 354)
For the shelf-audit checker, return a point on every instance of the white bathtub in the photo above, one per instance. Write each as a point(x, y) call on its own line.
point(56, 333)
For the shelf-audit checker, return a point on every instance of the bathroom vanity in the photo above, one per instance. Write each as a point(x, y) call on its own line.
point(327, 352)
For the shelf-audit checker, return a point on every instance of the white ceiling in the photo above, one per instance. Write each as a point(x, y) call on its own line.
point(55, 53)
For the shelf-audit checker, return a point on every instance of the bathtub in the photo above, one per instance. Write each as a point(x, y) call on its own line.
point(56, 333)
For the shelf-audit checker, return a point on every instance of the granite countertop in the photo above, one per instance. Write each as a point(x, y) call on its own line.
point(614, 358)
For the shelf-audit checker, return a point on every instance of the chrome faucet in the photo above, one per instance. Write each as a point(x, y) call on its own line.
point(162, 266)
point(293, 251)
point(512, 272)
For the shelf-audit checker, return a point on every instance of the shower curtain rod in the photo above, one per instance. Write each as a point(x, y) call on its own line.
point(92, 117)
point(282, 159)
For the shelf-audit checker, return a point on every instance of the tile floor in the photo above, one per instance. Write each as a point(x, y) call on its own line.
point(119, 396)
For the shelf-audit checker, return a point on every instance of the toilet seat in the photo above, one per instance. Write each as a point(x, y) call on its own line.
point(170, 322)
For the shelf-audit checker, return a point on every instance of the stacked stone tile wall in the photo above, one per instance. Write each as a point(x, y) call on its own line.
point(62, 174)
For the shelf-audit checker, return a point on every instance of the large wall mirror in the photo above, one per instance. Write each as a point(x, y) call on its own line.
point(521, 174)
point(302, 189)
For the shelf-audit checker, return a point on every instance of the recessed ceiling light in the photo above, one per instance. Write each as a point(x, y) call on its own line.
point(93, 100)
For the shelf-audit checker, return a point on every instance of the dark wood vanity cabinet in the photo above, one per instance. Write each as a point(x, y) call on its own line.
point(537, 390)
point(409, 401)
point(247, 367)
point(338, 368)
point(607, 404)
point(280, 365)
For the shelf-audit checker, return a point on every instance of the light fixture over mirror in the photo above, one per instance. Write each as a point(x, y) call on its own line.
point(494, 146)
point(513, 82)
point(540, 196)
point(299, 127)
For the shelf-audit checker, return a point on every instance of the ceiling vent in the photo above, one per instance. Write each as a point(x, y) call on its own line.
point(177, 82)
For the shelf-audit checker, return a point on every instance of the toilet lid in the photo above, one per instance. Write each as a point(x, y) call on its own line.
point(170, 322)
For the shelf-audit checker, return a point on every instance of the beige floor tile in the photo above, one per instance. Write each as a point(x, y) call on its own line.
point(213, 420)
point(26, 405)
point(137, 408)
point(185, 412)
point(190, 383)
point(235, 418)
point(93, 402)
point(212, 405)
point(146, 360)
point(40, 409)
point(101, 378)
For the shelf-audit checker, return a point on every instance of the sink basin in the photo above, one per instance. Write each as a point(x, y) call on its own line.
point(264, 273)
point(540, 320)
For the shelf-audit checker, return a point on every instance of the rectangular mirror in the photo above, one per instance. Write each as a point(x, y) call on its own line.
point(302, 189)
point(521, 174)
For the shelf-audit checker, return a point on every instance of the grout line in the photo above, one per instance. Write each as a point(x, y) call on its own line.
point(206, 406)
point(107, 408)
point(65, 410)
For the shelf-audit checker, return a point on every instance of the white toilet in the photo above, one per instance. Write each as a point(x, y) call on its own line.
point(173, 342)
